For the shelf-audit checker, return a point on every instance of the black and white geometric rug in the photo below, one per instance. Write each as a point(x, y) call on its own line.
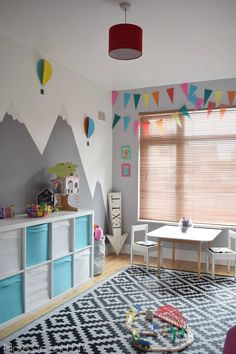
point(94, 323)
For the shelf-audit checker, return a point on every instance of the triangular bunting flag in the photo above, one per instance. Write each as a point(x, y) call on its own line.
point(136, 99)
point(184, 111)
point(199, 103)
point(126, 122)
point(175, 116)
point(210, 107)
point(115, 120)
point(207, 94)
point(170, 92)
point(114, 96)
point(192, 90)
point(160, 125)
point(218, 97)
point(136, 126)
point(146, 98)
point(155, 96)
point(193, 99)
point(231, 95)
point(126, 99)
point(223, 108)
point(184, 88)
point(146, 127)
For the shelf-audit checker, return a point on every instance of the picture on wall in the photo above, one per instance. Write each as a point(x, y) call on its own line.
point(125, 169)
point(126, 152)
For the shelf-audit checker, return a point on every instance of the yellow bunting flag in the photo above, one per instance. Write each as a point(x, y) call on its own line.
point(223, 108)
point(160, 125)
point(146, 98)
point(175, 116)
point(155, 96)
point(218, 97)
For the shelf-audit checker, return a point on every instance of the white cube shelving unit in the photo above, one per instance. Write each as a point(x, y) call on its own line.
point(41, 258)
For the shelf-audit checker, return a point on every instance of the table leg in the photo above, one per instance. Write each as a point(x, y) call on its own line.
point(173, 253)
point(199, 260)
point(208, 257)
point(159, 257)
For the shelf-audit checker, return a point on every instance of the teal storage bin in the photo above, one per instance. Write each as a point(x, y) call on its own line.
point(62, 275)
point(82, 232)
point(11, 298)
point(36, 244)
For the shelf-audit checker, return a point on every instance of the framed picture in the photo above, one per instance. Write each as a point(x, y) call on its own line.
point(125, 169)
point(126, 152)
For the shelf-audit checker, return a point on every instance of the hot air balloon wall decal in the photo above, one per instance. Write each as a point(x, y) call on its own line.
point(44, 70)
point(89, 127)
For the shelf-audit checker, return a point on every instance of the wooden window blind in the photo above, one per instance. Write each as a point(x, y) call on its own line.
point(190, 170)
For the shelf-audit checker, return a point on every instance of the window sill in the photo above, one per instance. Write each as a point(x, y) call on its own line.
point(174, 223)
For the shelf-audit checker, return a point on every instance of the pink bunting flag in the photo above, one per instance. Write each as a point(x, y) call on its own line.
point(184, 88)
point(146, 128)
point(136, 126)
point(199, 103)
point(211, 105)
point(114, 96)
point(170, 92)
point(223, 108)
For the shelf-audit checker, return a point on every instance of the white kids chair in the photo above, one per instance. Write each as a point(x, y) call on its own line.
point(223, 253)
point(142, 245)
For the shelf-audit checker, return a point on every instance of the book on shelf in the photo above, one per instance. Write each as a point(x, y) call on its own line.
point(146, 243)
point(221, 250)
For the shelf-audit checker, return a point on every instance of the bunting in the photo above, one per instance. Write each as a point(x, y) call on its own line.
point(126, 99)
point(175, 116)
point(146, 128)
point(231, 95)
point(155, 96)
point(160, 125)
point(170, 92)
point(207, 94)
point(136, 126)
point(115, 120)
point(191, 94)
point(211, 105)
point(126, 122)
point(114, 96)
point(184, 88)
point(223, 108)
point(136, 99)
point(184, 111)
point(146, 98)
point(218, 97)
point(199, 103)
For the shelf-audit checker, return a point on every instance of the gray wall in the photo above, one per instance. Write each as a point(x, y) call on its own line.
point(129, 185)
point(23, 171)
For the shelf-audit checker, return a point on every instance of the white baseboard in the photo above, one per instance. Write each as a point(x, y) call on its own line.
point(180, 255)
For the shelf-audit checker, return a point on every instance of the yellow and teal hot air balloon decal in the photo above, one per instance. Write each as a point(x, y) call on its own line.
point(44, 70)
point(89, 127)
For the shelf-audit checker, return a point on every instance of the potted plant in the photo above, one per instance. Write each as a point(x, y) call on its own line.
point(185, 224)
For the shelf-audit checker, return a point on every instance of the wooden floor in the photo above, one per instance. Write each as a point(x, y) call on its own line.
point(113, 264)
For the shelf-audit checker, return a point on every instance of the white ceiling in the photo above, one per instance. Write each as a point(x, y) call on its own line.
point(183, 40)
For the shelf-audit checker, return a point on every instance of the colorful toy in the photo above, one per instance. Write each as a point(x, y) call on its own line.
point(162, 342)
point(98, 233)
point(7, 212)
point(35, 210)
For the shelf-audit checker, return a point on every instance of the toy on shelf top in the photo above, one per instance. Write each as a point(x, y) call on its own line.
point(7, 212)
point(36, 210)
point(66, 181)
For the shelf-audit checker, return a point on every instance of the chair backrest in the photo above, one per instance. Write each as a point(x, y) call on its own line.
point(232, 239)
point(135, 228)
point(230, 341)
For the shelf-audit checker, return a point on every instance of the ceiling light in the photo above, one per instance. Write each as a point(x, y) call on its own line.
point(125, 39)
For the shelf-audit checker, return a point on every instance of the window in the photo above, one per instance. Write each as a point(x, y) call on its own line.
point(189, 170)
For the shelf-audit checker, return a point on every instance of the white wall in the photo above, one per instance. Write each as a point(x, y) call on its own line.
point(67, 94)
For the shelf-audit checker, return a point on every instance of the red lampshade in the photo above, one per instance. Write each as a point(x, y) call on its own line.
point(125, 41)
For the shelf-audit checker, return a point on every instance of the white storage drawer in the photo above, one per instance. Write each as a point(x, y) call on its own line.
point(82, 270)
point(37, 282)
point(10, 251)
point(61, 238)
